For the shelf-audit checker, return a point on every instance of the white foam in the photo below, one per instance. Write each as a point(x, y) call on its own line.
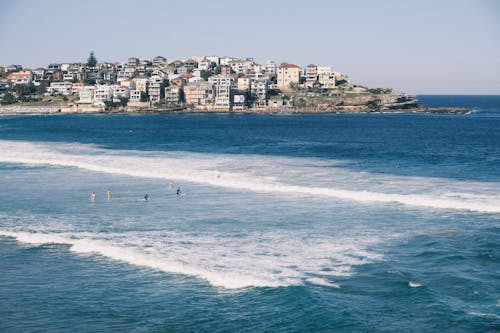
point(484, 315)
point(258, 260)
point(261, 174)
point(322, 282)
point(414, 284)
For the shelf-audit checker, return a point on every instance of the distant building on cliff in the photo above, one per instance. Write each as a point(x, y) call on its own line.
point(288, 74)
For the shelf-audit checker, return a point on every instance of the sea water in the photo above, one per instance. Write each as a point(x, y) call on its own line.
point(287, 223)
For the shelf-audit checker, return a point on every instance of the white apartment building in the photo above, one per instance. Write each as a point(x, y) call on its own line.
point(173, 94)
point(135, 95)
point(222, 88)
point(259, 89)
point(241, 66)
point(222, 97)
point(60, 88)
point(69, 77)
point(243, 83)
point(102, 93)
point(311, 75)
point(120, 92)
point(220, 80)
point(215, 59)
point(204, 65)
point(271, 67)
point(156, 88)
point(141, 83)
point(86, 95)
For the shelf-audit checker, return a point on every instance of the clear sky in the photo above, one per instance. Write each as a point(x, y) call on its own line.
point(425, 46)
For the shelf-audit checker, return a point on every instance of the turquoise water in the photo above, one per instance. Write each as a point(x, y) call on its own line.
point(302, 223)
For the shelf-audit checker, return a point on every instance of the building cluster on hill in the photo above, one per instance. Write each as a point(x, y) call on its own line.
point(201, 82)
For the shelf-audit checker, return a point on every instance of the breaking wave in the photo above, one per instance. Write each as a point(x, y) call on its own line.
point(261, 260)
point(263, 174)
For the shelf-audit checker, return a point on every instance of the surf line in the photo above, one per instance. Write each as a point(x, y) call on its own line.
point(256, 185)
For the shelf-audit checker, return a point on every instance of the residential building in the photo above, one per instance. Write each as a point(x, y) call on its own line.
point(214, 59)
point(178, 81)
point(190, 64)
point(170, 70)
point(326, 77)
point(183, 70)
point(205, 65)
point(126, 83)
point(241, 66)
point(120, 92)
point(195, 79)
point(258, 92)
point(177, 63)
point(135, 95)
point(288, 74)
point(220, 80)
point(156, 88)
point(239, 101)
point(39, 75)
point(141, 83)
point(243, 83)
point(13, 68)
point(77, 87)
point(23, 77)
point(224, 61)
point(173, 95)
point(86, 95)
point(102, 93)
point(159, 61)
point(271, 67)
point(60, 88)
point(69, 77)
point(225, 70)
point(200, 94)
point(311, 75)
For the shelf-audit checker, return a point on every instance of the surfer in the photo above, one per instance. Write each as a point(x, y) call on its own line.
point(92, 197)
point(146, 197)
point(109, 194)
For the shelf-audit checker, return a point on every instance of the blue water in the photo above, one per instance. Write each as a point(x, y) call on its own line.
point(296, 223)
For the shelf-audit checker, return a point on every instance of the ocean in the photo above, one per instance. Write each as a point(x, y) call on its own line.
point(286, 223)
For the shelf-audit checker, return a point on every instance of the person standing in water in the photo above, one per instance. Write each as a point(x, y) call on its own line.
point(92, 197)
point(109, 194)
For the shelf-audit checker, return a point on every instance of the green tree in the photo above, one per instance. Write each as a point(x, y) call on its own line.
point(123, 101)
point(23, 90)
point(205, 75)
point(144, 96)
point(41, 89)
point(8, 98)
point(91, 61)
point(90, 81)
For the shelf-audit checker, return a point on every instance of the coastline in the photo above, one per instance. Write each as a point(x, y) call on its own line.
point(54, 110)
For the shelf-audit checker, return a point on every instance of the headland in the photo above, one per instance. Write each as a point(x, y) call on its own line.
point(200, 84)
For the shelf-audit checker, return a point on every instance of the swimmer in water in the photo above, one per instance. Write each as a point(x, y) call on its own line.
point(146, 197)
point(179, 192)
point(92, 197)
point(109, 194)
